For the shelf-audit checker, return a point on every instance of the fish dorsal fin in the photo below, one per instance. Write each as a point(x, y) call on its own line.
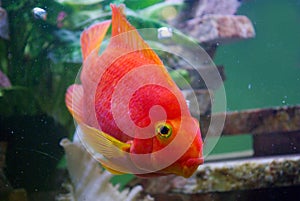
point(92, 37)
point(126, 36)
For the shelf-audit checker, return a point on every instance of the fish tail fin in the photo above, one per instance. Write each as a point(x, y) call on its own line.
point(73, 101)
point(92, 37)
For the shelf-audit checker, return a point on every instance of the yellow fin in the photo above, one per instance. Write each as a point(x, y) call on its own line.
point(112, 170)
point(103, 143)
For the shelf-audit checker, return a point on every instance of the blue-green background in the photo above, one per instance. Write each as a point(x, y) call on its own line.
point(264, 71)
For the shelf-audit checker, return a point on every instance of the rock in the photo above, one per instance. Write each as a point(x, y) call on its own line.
point(232, 176)
point(158, 185)
point(216, 28)
point(18, 195)
point(213, 21)
point(224, 7)
point(245, 174)
point(196, 9)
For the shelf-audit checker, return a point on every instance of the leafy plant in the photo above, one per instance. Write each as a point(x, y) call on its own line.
point(43, 56)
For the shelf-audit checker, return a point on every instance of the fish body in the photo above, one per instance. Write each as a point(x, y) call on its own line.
point(129, 109)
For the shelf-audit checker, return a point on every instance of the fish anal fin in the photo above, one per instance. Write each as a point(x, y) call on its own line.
point(92, 37)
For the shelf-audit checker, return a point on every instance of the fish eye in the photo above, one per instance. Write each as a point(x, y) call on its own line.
point(164, 130)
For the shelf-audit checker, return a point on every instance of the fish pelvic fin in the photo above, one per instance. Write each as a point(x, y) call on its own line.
point(92, 37)
point(126, 36)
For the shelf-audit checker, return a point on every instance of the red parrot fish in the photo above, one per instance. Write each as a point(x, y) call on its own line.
point(131, 115)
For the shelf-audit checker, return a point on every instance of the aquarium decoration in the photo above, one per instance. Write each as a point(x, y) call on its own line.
point(89, 181)
point(232, 176)
point(214, 21)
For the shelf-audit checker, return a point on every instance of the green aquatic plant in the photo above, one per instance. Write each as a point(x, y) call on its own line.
point(43, 56)
point(37, 82)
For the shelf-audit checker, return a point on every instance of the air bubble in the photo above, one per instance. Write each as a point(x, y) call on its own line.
point(249, 86)
point(164, 32)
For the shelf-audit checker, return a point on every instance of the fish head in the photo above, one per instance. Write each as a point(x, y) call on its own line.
point(176, 148)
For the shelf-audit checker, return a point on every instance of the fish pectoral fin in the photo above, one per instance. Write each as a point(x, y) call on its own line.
point(92, 37)
point(103, 143)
